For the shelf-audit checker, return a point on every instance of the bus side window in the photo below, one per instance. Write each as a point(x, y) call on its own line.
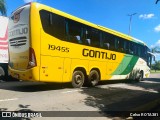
point(101, 39)
point(88, 41)
point(107, 45)
point(78, 39)
point(53, 24)
point(145, 53)
point(127, 47)
point(66, 31)
point(131, 48)
point(45, 20)
point(108, 41)
point(73, 31)
point(87, 37)
point(95, 37)
point(121, 45)
point(112, 42)
point(141, 51)
point(135, 49)
point(117, 44)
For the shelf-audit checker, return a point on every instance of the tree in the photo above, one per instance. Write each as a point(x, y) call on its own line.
point(157, 1)
point(156, 65)
point(156, 49)
point(3, 10)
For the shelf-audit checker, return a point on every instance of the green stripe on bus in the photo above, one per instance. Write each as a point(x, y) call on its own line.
point(130, 66)
point(126, 65)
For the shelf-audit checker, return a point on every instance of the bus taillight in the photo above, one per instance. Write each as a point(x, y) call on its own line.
point(32, 58)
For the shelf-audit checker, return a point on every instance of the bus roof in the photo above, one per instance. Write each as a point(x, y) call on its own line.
point(69, 16)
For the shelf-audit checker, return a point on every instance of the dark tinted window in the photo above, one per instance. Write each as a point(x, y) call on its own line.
point(121, 45)
point(131, 45)
point(92, 36)
point(53, 24)
point(95, 37)
point(108, 41)
point(74, 31)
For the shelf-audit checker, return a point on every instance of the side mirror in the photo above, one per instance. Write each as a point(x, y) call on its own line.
point(154, 58)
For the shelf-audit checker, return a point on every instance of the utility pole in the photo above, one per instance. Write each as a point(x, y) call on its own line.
point(130, 15)
point(157, 1)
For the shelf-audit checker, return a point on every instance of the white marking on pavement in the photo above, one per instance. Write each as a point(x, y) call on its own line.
point(151, 82)
point(12, 99)
point(71, 91)
point(132, 87)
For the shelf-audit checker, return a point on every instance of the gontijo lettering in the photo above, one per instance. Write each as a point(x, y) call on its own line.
point(98, 54)
point(18, 32)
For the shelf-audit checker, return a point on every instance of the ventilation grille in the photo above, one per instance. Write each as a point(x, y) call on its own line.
point(19, 41)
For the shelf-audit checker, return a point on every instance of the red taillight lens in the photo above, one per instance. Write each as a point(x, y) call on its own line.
point(32, 58)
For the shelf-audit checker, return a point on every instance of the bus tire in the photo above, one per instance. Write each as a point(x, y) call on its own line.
point(140, 76)
point(78, 79)
point(93, 78)
point(2, 73)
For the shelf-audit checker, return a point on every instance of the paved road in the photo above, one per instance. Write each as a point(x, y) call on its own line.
point(111, 96)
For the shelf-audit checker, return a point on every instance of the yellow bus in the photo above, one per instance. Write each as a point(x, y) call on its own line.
point(49, 45)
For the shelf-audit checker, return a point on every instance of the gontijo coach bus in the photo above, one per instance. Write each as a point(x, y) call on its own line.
point(48, 45)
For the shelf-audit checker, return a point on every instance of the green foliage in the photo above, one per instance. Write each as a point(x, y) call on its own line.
point(3, 10)
point(156, 65)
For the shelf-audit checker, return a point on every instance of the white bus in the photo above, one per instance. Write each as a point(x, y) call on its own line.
point(3, 46)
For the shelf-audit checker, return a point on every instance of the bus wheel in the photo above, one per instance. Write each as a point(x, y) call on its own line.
point(93, 78)
point(78, 79)
point(140, 76)
point(2, 73)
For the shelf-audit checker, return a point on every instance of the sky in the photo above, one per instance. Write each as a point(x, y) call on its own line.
point(114, 14)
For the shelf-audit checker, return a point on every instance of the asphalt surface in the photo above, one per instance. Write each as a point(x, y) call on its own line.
point(109, 100)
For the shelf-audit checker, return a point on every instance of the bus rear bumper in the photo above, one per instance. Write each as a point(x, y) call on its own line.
point(28, 74)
